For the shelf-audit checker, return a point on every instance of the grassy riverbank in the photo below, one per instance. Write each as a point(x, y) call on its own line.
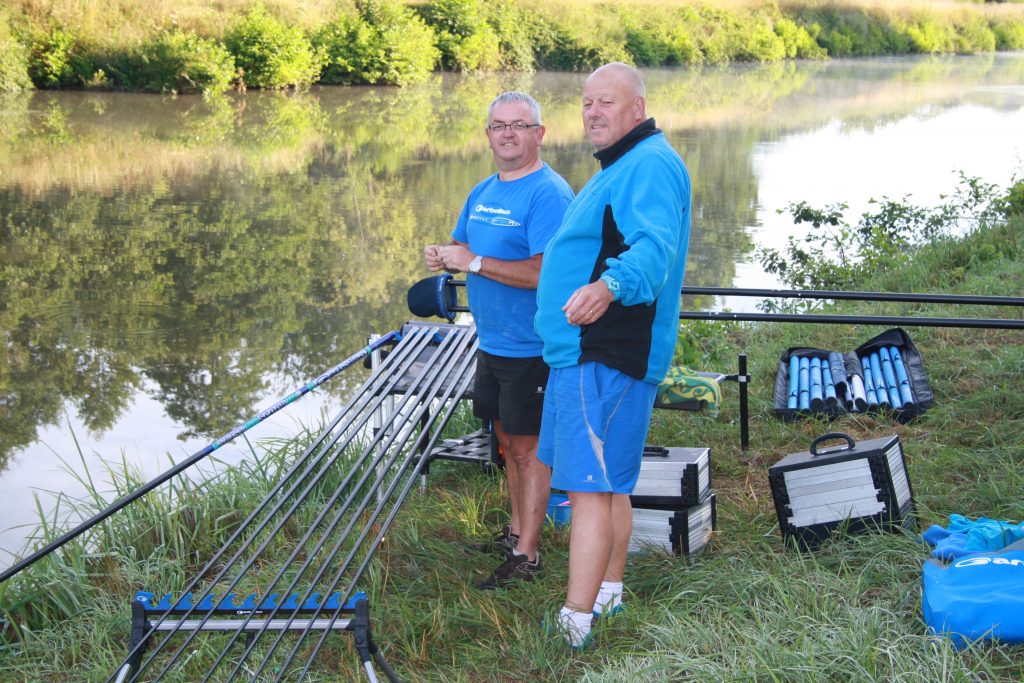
point(745, 609)
point(196, 46)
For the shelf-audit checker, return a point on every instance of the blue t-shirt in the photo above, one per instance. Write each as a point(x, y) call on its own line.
point(510, 220)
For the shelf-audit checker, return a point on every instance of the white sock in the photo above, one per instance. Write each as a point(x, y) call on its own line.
point(576, 625)
point(609, 597)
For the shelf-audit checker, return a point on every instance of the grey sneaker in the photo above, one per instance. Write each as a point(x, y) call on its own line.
point(502, 542)
point(515, 568)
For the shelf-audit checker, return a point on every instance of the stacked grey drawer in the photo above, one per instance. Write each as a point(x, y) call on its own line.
point(673, 504)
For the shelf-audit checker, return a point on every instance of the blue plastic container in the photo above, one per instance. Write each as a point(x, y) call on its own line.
point(559, 510)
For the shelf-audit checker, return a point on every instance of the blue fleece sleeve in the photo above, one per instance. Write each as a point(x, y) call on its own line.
point(648, 206)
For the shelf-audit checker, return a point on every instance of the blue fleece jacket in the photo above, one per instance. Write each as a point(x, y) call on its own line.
point(629, 223)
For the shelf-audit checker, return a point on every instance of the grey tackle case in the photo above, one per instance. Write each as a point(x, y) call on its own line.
point(859, 486)
point(672, 478)
point(680, 532)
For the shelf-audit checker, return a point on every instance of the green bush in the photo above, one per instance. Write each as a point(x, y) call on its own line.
point(514, 27)
point(180, 62)
point(466, 41)
point(798, 42)
point(13, 60)
point(929, 35)
point(384, 43)
point(1009, 34)
point(271, 55)
point(1014, 200)
point(569, 39)
point(973, 34)
point(57, 60)
point(854, 33)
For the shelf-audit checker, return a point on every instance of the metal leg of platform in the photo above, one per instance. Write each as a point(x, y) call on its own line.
point(367, 649)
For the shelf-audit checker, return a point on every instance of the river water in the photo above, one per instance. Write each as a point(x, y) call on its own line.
point(171, 266)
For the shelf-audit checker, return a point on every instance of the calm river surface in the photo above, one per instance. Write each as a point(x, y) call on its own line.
point(171, 266)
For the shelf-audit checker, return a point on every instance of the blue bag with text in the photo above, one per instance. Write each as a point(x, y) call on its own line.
point(980, 595)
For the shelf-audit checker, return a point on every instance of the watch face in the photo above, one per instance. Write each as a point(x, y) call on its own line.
point(475, 264)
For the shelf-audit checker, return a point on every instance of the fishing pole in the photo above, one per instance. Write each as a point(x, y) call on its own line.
point(410, 482)
point(193, 459)
point(378, 386)
point(373, 392)
point(427, 376)
point(463, 356)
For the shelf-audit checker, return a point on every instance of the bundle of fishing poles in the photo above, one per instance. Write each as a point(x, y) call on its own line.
point(300, 555)
point(858, 383)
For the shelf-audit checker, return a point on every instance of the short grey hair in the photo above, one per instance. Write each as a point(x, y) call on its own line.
point(515, 96)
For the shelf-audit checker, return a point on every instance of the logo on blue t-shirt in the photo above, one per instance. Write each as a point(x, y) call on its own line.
point(497, 216)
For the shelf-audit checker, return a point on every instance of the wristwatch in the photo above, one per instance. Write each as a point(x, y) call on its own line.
point(613, 286)
point(476, 264)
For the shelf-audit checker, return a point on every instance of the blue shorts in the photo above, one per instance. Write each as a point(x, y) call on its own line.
point(594, 428)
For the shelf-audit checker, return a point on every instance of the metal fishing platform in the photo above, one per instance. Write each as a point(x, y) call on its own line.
point(316, 531)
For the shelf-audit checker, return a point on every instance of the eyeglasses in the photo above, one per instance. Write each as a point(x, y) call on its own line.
point(517, 126)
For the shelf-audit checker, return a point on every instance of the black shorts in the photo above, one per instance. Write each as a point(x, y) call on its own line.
point(510, 390)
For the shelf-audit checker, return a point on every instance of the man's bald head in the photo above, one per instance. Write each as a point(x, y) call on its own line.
point(613, 103)
point(627, 75)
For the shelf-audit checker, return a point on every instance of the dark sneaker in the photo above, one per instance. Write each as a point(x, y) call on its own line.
point(502, 542)
point(515, 568)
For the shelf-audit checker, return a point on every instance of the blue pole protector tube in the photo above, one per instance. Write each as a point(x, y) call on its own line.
point(794, 382)
point(876, 376)
point(890, 378)
point(828, 386)
point(805, 385)
point(869, 382)
point(817, 403)
point(901, 376)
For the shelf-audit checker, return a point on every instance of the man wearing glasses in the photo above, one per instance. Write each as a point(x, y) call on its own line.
point(499, 242)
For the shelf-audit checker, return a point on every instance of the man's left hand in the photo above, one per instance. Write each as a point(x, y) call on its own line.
point(456, 258)
point(588, 303)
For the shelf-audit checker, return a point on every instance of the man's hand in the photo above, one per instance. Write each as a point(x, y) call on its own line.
point(456, 258)
point(432, 257)
point(588, 303)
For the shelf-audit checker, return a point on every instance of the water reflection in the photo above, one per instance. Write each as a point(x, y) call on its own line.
point(205, 254)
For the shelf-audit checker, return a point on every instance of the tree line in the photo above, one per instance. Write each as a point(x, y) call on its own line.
point(392, 43)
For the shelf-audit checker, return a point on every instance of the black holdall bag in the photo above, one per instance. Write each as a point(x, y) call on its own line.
point(853, 379)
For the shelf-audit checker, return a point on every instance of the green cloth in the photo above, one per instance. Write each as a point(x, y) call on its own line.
point(682, 384)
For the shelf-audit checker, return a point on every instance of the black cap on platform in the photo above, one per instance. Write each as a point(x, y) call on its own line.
point(432, 296)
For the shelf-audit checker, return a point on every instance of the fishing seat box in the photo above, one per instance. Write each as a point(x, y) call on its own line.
point(681, 532)
point(425, 357)
point(672, 478)
point(857, 486)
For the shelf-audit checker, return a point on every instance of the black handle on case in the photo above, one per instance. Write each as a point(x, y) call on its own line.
point(828, 437)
